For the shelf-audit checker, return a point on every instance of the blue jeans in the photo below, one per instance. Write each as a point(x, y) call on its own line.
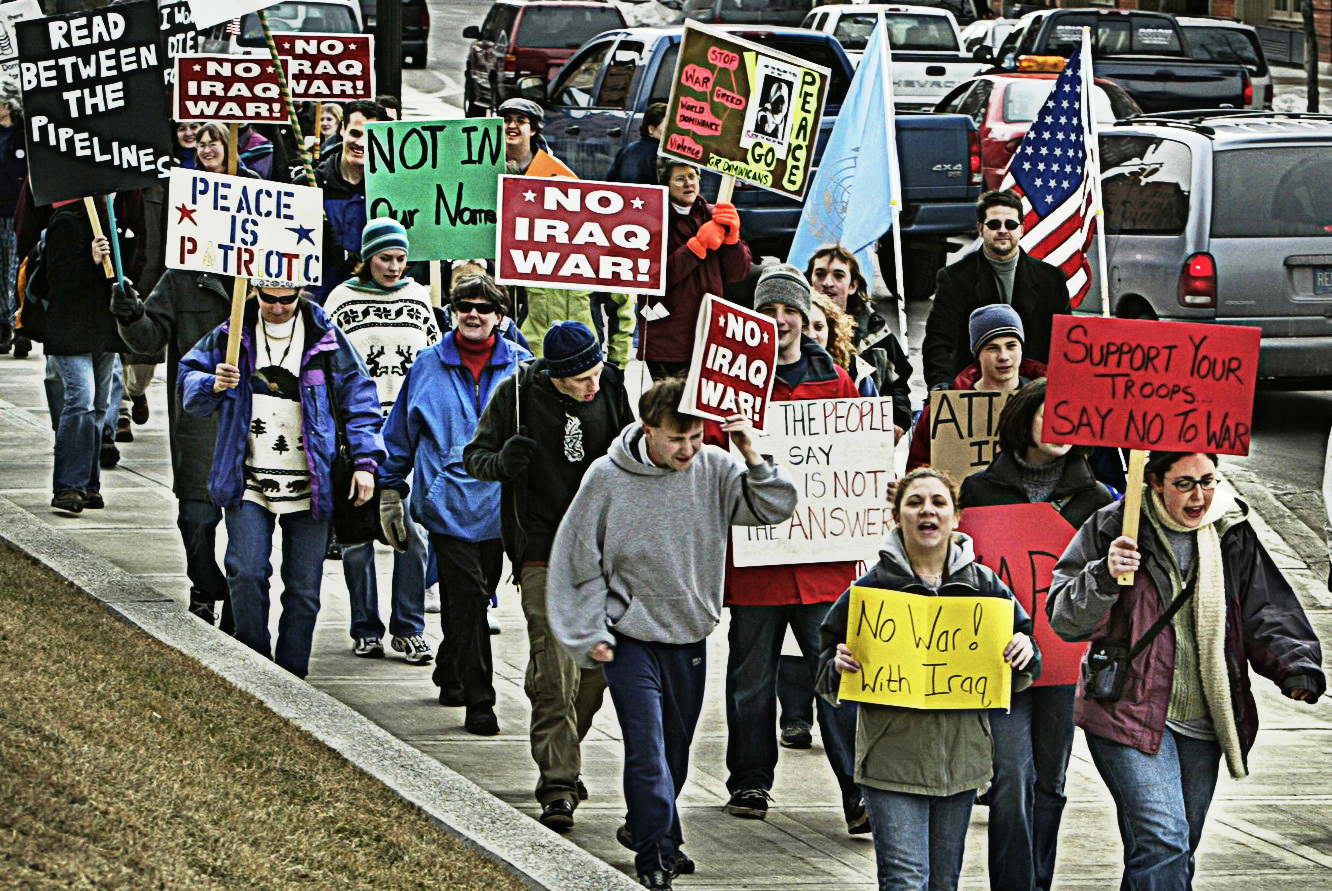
point(112, 415)
point(407, 614)
point(657, 689)
point(1032, 743)
point(919, 840)
point(249, 546)
point(755, 639)
point(85, 386)
point(1161, 802)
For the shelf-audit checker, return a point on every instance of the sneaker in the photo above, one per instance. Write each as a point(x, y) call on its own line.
point(139, 411)
point(684, 864)
point(481, 720)
point(70, 501)
point(749, 804)
point(796, 735)
point(368, 648)
point(582, 790)
point(558, 815)
point(656, 879)
point(491, 621)
point(123, 431)
point(857, 819)
point(93, 500)
point(414, 649)
point(432, 599)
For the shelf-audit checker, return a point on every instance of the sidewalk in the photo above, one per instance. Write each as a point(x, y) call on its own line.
point(1272, 828)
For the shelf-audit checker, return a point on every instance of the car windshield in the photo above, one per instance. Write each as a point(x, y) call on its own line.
point(1023, 100)
point(1292, 181)
point(1223, 45)
point(312, 18)
point(1119, 35)
point(906, 32)
point(559, 27)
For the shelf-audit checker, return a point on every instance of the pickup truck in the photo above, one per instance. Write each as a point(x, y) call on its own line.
point(596, 102)
point(1144, 52)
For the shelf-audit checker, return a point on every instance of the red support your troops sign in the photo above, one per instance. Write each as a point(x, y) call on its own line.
point(229, 90)
point(328, 67)
point(735, 360)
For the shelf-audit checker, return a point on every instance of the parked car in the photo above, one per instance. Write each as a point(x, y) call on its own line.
point(312, 16)
point(1143, 52)
point(527, 38)
point(1221, 40)
point(1225, 218)
point(415, 29)
point(1004, 105)
point(746, 12)
point(596, 103)
point(987, 33)
point(964, 11)
point(928, 59)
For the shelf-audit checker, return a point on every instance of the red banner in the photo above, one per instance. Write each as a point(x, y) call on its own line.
point(1022, 543)
point(1170, 386)
point(328, 67)
point(734, 363)
point(229, 90)
point(581, 235)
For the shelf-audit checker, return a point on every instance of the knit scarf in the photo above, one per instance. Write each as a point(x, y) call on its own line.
point(374, 288)
point(1209, 606)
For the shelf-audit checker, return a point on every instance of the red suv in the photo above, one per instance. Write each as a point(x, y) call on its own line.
point(527, 38)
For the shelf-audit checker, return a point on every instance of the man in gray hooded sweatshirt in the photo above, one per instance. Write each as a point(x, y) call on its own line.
point(641, 604)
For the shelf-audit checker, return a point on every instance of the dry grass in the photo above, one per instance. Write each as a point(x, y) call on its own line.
point(124, 764)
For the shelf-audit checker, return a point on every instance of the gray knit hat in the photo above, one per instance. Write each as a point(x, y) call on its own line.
point(995, 320)
point(783, 283)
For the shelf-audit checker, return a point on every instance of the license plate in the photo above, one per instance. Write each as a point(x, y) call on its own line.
point(1322, 279)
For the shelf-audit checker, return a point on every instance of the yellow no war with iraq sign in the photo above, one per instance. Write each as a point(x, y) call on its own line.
point(922, 651)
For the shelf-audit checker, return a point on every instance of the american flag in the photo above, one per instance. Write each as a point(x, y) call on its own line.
point(1055, 170)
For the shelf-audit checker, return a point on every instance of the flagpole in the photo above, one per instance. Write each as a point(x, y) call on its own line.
point(894, 175)
point(1094, 171)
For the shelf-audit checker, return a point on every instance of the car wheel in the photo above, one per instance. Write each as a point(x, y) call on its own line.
point(471, 108)
point(1135, 307)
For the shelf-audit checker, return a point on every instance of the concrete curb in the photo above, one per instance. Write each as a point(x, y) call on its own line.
point(534, 855)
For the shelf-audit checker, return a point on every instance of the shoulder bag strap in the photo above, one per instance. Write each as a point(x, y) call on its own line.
point(1160, 623)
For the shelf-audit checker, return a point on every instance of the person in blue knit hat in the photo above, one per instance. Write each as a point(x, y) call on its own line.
point(389, 320)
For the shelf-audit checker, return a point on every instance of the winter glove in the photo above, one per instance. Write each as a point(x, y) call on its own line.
point(392, 519)
point(125, 303)
point(516, 454)
point(710, 237)
point(729, 219)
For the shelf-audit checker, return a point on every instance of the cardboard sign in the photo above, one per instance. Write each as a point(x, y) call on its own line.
point(581, 234)
point(1022, 543)
point(211, 12)
point(840, 453)
point(746, 110)
point(964, 430)
point(179, 35)
point(545, 164)
point(328, 67)
point(1136, 384)
point(440, 179)
point(229, 90)
point(919, 651)
point(252, 228)
point(734, 363)
point(10, 14)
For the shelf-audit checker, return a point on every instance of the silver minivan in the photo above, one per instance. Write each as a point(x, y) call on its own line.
point(1224, 218)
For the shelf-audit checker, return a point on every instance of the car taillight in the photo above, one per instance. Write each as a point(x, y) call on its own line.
point(1248, 90)
point(425, 19)
point(974, 160)
point(1197, 283)
point(510, 62)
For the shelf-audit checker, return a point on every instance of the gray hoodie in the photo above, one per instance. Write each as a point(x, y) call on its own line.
point(642, 549)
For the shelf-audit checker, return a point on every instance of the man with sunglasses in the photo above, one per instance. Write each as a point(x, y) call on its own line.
point(435, 416)
point(1000, 272)
point(276, 440)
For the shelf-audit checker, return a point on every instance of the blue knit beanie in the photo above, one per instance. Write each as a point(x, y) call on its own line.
point(995, 320)
point(570, 348)
point(382, 234)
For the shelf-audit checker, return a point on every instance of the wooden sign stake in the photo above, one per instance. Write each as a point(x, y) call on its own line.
point(238, 291)
point(1133, 501)
point(436, 283)
point(233, 149)
point(90, 205)
point(726, 188)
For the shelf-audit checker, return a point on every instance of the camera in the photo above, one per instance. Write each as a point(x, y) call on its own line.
point(1105, 671)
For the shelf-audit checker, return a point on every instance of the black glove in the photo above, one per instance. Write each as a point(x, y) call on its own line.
point(516, 454)
point(125, 303)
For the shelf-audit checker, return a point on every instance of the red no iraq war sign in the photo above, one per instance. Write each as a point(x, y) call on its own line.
point(229, 89)
point(327, 67)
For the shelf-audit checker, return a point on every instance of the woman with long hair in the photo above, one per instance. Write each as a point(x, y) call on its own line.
point(832, 329)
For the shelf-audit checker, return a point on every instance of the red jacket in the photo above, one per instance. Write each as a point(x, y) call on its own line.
point(688, 279)
point(918, 455)
point(805, 582)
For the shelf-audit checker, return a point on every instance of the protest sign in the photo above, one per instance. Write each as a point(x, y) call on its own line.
point(93, 94)
point(733, 364)
point(744, 110)
point(580, 234)
point(963, 430)
point(919, 651)
point(840, 454)
point(545, 164)
point(440, 180)
point(1022, 543)
point(229, 89)
point(180, 37)
point(251, 228)
point(1137, 384)
point(328, 67)
point(211, 12)
point(10, 14)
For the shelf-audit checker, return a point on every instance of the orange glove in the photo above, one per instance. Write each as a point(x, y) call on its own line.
point(709, 237)
point(729, 218)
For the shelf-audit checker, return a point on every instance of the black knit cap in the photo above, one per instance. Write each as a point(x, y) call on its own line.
point(570, 348)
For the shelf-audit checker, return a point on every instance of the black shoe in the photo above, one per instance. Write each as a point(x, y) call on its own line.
point(796, 735)
point(481, 720)
point(139, 409)
point(656, 879)
point(93, 500)
point(624, 836)
point(857, 819)
point(749, 804)
point(123, 431)
point(110, 455)
point(582, 790)
point(203, 610)
point(333, 551)
point(22, 347)
point(70, 501)
point(451, 697)
point(684, 865)
point(557, 815)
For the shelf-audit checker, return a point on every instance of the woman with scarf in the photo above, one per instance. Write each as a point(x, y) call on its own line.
point(388, 318)
point(1185, 701)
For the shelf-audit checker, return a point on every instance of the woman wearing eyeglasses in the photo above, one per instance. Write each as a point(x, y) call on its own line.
point(211, 145)
point(1185, 700)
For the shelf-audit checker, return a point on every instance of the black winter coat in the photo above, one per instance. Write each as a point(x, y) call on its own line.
point(79, 319)
point(1076, 496)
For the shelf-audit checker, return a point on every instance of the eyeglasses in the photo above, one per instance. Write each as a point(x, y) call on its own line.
point(285, 299)
point(463, 309)
point(996, 225)
point(199, 143)
point(1186, 484)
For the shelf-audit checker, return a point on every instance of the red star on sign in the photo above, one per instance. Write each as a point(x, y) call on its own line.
point(186, 213)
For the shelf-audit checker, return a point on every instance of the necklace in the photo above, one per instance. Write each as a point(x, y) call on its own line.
point(291, 338)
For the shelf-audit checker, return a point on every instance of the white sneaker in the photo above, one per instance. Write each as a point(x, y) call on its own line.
point(492, 621)
point(432, 599)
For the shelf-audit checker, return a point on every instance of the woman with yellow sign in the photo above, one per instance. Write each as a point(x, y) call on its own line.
point(919, 769)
